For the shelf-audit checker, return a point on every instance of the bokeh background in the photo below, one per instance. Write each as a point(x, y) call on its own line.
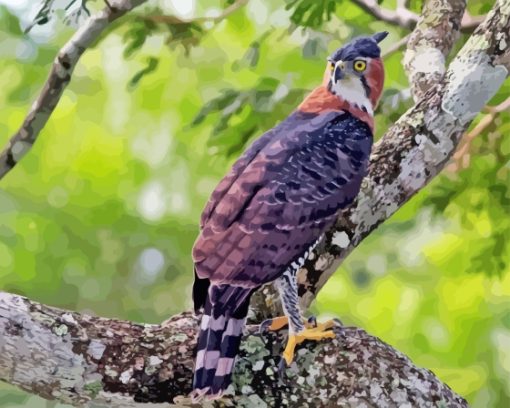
point(100, 217)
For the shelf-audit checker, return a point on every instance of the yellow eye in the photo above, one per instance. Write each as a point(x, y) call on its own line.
point(331, 66)
point(360, 65)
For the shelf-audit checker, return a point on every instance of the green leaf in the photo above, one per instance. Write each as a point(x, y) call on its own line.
point(71, 13)
point(10, 23)
point(311, 13)
point(251, 57)
point(136, 35)
point(227, 97)
point(152, 64)
point(187, 35)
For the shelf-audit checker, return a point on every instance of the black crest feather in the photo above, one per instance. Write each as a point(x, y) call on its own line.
point(366, 46)
point(378, 37)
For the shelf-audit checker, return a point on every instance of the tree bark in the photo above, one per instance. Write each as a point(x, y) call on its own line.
point(92, 361)
point(431, 42)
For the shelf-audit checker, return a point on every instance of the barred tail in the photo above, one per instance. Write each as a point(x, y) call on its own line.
point(220, 335)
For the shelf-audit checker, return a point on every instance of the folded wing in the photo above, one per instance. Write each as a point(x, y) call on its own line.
point(280, 196)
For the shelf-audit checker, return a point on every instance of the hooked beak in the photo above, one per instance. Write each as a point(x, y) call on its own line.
point(339, 71)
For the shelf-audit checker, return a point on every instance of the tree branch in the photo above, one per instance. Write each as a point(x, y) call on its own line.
point(166, 19)
point(60, 75)
point(461, 158)
point(431, 42)
point(418, 146)
point(82, 360)
point(401, 17)
point(405, 18)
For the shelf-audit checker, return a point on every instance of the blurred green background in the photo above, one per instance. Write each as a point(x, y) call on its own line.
point(100, 217)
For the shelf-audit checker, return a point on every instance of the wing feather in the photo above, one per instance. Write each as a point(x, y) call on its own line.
point(280, 197)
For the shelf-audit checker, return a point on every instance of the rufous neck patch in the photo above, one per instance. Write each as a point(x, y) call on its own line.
point(320, 100)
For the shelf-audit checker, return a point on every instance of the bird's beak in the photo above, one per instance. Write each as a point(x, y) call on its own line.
point(339, 71)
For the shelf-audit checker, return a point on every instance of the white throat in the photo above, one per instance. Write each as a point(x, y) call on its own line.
point(352, 91)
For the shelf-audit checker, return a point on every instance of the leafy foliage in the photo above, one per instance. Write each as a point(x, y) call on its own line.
point(185, 34)
point(136, 35)
point(251, 57)
point(311, 13)
point(480, 200)
point(73, 12)
point(242, 114)
point(152, 64)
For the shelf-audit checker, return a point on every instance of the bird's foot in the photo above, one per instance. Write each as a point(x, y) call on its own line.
point(274, 324)
point(319, 332)
point(328, 324)
point(315, 334)
point(280, 322)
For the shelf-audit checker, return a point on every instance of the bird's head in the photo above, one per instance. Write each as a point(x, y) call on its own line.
point(355, 72)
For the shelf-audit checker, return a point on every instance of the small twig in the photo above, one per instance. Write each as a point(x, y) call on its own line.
point(397, 46)
point(470, 22)
point(405, 18)
point(167, 19)
point(461, 159)
point(228, 11)
point(108, 5)
point(502, 107)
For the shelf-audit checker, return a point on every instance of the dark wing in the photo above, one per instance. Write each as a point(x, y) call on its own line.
point(239, 166)
point(249, 166)
point(280, 197)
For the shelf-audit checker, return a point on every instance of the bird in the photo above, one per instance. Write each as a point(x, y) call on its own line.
point(270, 211)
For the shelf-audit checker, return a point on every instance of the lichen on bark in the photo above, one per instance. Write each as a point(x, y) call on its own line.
point(92, 361)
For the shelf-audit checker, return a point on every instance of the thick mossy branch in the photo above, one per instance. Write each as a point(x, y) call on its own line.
point(431, 42)
point(85, 360)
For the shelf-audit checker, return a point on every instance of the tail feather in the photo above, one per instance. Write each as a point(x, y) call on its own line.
point(219, 339)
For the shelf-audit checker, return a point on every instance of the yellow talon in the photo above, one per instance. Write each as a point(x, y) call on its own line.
point(329, 324)
point(278, 323)
point(318, 333)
